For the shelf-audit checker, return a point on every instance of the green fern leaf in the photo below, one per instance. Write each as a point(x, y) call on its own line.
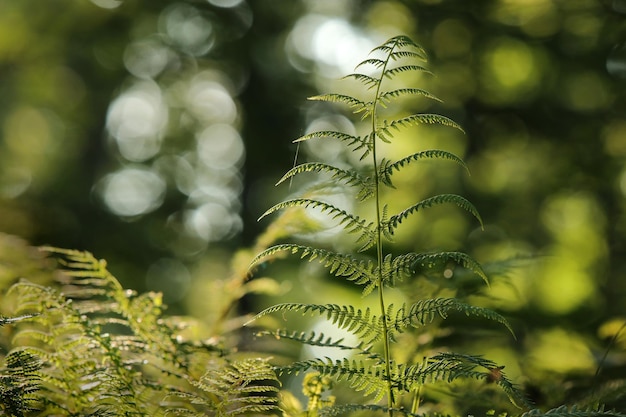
point(384, 132)
point(358, 143)
point(362, 376)
point(425, 311)
point(387, 96)
point(352, 102)
point(350, 222)
point(346, 409)
point(369, 82)
point(378, 63)
point(316, 339)
point(463, 203)
point(350, 177)
point(409, 264)
point(365, 185)
point(421, 55)
point(399, 41)
point(392, 72)
point(237, 388)
point(357, 270)
point(429, 154)
point(573, 411)
point(356, 321)
point(451, 366)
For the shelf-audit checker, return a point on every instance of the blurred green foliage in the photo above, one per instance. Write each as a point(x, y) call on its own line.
point(151, 133)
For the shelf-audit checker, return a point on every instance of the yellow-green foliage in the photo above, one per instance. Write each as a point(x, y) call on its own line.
point(86, 346)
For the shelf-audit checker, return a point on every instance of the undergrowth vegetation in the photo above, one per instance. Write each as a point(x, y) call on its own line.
point(76, 343)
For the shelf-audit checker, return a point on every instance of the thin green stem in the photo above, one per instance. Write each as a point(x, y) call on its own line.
point(417, 397)
point(379, 252)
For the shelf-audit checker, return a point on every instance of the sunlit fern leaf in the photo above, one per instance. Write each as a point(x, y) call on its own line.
point(350, 222)
point(384, 172)
point(384, 132)
point(397, 42)
point(429, 154)
point(573, 411)
point(392, 72)
point(421, 55)
point(233, 389)
point(358, 143)
point(406, 265)
point(316, 339)
point(346, 409)
point(378, 63)
point(387, 96)
point(361, 323)
point(20, 383)
point(368, 81)
point(425, 311)
point(462, 202)
point(448, 367)
point(359, 106)
point(362, 376)
point(345, 265)
point(349, 177)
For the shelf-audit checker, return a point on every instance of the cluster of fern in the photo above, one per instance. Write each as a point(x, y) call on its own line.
point(90, 347)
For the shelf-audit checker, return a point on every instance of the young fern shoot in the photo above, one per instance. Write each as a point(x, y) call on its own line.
point(375, 372)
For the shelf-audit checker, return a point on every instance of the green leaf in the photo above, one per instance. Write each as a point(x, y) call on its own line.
point(358, 270)
point(369, 82)
point(361, 323)
point(429, 154)
point(392, 72)
point(411, 263)
point(387, 96)
point(352, 102)
point(462, 202)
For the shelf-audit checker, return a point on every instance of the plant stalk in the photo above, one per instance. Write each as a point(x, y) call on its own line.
point(379, 253)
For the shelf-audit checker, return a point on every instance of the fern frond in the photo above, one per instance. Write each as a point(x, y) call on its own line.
point(345, 409)
point(315, 339)
point(350, 222)
point(384, 132)
point(357, 270)
point(451, 366)
point(378, 63)
point(352, 102)
point(425, 311)
point(410, 263)
point(429, 154)
point(462, 202)
point(396, 42)
point(237, 388)
point(421, 55)
point(387, 96)
point(362, 376)
point(573, 411)
point(361, 323)
point(392, 72)
point(349, 177)
point(20, 383)
point(356, 142)
point(369, 82)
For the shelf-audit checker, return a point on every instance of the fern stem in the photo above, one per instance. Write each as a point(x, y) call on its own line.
point(379, 246)
point(417, 397)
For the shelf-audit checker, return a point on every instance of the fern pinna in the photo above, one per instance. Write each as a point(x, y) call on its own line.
point(374, 371)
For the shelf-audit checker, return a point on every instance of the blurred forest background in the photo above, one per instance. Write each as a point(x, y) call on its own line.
point(152, 133)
